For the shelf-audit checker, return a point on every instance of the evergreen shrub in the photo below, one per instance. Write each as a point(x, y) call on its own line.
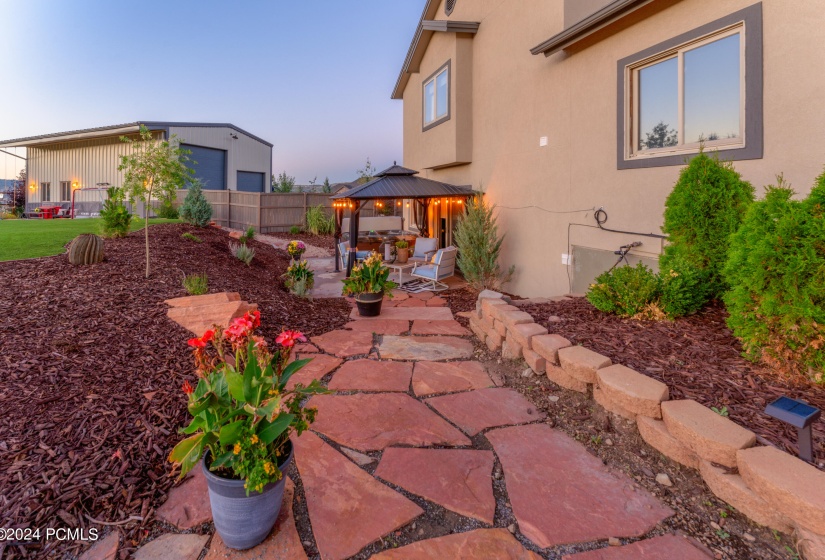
point(195, 208)
point(115, 217)
point(625, 291)
point(684, 288)
point(479, 247)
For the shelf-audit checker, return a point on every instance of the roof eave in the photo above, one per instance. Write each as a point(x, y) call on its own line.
point(588, 26)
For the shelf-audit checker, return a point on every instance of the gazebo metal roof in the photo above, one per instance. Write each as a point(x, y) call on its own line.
point(400, 182)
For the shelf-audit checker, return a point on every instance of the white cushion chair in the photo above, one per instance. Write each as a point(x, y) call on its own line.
point(343, 254)
point(441, 267)
point(425, 248)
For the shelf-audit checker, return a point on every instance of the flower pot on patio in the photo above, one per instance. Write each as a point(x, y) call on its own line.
point(244, 521)
point(402, 255)
point(369, 305)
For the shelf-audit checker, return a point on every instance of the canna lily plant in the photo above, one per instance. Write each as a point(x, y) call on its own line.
point(242, 412)
point(370, 277)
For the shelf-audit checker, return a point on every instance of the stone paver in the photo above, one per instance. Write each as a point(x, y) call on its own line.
point(458, 479)
point(436, 302)
point(372, 375)
point(320, 365)
point(187, 505)
point(481, 544)
point(408, 314)
point(103, 549)
point(357, 457)
point(790, 485)
point(671, 547)
point(711, 436)
point(561, 494)
point(345, 344)
point(283, 543)
point(305, 348)
point(632, 390)
point(170, 545)
point(371, 422)
point(347, 507)
point(412, 302)
point(451, 327)
point(486, 408)
point(380, 326)
point(432, 378)
point(425, 348)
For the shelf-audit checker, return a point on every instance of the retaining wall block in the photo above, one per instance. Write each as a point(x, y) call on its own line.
point(548, 346)
point(581, 363)
point(656, 435)
point(632, 390)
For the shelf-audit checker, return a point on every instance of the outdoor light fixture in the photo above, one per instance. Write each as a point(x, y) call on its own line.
point(31, 187)
point(800, 415)
point(74, 185)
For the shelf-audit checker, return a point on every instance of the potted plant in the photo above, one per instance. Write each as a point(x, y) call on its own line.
point(242, 418)
point(296, 249)
point(402, 248)
point(369, 283)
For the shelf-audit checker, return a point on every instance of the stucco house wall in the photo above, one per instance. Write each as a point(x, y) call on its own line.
point(546, 195)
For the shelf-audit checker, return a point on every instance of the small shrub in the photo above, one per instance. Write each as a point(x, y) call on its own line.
point(116, 218)
point(299, 279)
point(776, 270)
point(167, 210)
point(196, 284)
point(685, 288)
point(248, 235)
point(241, 252)
point(369, 277)
point(625, 291)
point(402, 244)
point(479, 247)
point(318, 223)
point(195, 208)
point(295, 230)
point(8, 216)
point(706, 206)
point(191, 237)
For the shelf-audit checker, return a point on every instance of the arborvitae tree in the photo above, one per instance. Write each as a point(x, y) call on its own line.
point(479, 247)
point(196, 208)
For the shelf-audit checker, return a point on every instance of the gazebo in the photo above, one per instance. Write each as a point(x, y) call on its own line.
point(396, 182)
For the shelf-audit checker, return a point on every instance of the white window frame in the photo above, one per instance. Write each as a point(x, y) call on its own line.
point(632, 97)
point(432, 79)
point(68, 192)
point(45, 191)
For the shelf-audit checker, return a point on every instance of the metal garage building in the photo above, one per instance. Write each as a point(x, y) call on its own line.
point(228, 158)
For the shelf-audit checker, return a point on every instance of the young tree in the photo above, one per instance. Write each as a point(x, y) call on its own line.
point(154, 168)
point(196, 208)
point(366, 174)
point(327, 188)
point(283, 184)
point(479, 246)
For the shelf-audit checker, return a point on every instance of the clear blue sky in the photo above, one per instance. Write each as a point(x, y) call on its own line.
point(313, 77)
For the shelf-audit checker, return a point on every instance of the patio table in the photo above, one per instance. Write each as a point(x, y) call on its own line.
point(400, 268)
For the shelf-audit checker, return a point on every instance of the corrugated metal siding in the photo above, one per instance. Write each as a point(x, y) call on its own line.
point(243, 154)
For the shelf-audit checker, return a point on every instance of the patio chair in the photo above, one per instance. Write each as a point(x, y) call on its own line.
point(425, 248)
point(441, 267)
point(343, 254)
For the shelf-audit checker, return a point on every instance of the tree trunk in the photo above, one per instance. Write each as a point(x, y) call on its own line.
point(146, 230)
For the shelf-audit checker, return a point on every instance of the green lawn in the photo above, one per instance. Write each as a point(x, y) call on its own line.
point(26, 239)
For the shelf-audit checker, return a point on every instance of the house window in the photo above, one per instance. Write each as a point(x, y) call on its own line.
point(65, 190)
point(45, 192)
point(704, 86)
point(437, 97)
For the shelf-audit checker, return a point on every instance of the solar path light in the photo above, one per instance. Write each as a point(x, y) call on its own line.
point(801, 415)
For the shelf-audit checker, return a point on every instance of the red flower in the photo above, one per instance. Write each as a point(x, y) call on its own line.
point(254, 318)
point(187, 388)
point(287, 339)
point(202, 341)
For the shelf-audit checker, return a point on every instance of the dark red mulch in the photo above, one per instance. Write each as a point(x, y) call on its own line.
point(92, 369)
point(697, 357)
point(322, 241)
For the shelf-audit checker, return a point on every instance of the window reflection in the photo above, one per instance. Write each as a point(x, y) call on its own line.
point(712, 91)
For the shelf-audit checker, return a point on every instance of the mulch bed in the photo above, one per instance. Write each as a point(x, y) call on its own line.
point(92, 370)
point(697, 357)
point(322, 241)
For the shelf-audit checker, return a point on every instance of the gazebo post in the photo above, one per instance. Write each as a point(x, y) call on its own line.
point(354, 214)
point(339, 217)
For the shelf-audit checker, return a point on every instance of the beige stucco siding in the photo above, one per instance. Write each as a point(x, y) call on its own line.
point(571, 99)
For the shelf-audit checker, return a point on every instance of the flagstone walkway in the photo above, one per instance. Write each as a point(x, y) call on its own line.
point(411, 398)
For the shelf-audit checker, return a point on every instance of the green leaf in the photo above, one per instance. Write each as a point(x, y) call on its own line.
point(291, 369)
point(235, 382)
point(269, 408)
point(187, 453)
point(202, 404)
point(196, 424)
point(230, 433)
point(225, 460)
point(251, 389)
point(268, 431)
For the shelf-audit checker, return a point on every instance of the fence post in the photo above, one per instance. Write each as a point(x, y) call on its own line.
point(304, 215)
point(260, 212)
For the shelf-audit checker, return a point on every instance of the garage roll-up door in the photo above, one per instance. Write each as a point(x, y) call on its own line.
point(249, 181)
point(210, 167)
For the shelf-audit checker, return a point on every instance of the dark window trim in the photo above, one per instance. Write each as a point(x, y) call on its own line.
point(754, 128)
point(448, 65)
point(67, 185)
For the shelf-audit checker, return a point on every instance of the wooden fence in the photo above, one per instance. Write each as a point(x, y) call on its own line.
point(266, 212)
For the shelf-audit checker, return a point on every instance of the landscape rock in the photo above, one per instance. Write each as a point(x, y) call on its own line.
point(103, 549)
point(485, 408)
point(656, 435)
point(201, 318)
point(581, 363)
point(711, 436)
point(359, 459)
point(632, 391)
point(664, 480)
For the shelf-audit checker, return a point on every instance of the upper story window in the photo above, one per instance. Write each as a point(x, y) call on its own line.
point(437, 97)
point(704, 86)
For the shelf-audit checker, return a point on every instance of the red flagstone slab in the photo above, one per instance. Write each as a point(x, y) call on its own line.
point(380, 326)
point(305, 348)
point(481, 544)
point(348, 508)
point(561, 494)
point(320, 365)
point(436, 302)
point(665, 547)
point(371, 422)
point(425, 348)
point(453, 328)
point(458, 479)
point(104, 549)
point(372, 375)
point(283, 543)
point(412, 302)
point(206, 299)
point(431, 378)
point(170, 545)
point(187, 505)
point(486, 408)
point(424, 296)
point(408, 314)
point(345, 344)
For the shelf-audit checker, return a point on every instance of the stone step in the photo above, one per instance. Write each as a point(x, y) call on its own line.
point(408, 314)
point(632, 390)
